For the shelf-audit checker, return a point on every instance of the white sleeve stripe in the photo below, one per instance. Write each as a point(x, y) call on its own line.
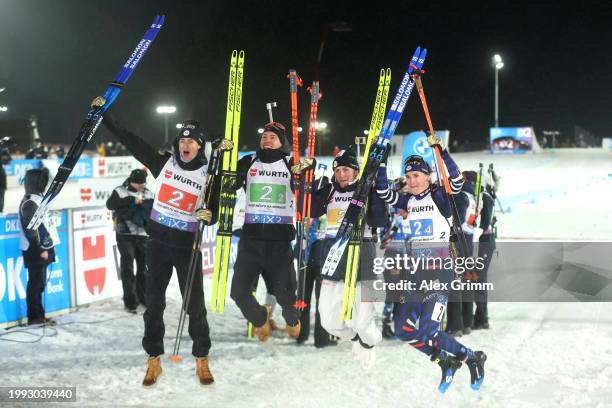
point(388, 195)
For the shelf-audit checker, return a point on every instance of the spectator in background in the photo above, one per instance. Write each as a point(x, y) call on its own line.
point(131, 204)
point(39, 151)
point(36, 245)
point(60, 153)
point(5, 159)
point(2, 187)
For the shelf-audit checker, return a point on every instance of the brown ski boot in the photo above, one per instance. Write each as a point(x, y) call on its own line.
point(154, 370)
point(203, 371)
point(263, 332)
point(294, 331)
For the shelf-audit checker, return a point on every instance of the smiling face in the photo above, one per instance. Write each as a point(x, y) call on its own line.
point(417, 182)
point(345, 175)
point(188, 149)
point(269, 140)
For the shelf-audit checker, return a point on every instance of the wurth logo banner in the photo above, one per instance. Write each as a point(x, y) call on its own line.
point(95, 193)
point(115, 166)
point(14, 275)
point(96, 264)
point(94, 217)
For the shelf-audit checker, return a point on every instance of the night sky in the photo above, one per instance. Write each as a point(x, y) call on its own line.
point(56, 56)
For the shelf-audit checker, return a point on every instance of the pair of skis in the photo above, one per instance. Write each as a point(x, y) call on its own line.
point(227, 201)
point(93, 119)
point(376, 155)
point(303, 220)
point(352, 260)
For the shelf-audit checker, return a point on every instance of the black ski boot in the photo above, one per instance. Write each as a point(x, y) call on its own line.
point(449, 366)
point(476, 366)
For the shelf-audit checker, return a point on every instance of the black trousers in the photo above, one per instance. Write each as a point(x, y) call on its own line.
point(486, 248)
point(274, 260)
point(160, 260)
point(460, 309)
point(36, 286)
point(132, 248)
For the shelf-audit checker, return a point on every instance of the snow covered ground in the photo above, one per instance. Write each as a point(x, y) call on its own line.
point(540, 354)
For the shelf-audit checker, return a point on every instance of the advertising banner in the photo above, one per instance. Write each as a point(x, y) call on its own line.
point(511, 139)
point(14, 275)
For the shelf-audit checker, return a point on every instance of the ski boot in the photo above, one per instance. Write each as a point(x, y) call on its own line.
point(476, 366)
point(154, 370)
point(203, 371)
point(449, 366)
point(263, 332)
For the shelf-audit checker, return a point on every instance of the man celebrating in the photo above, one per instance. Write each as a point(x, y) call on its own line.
point(265, 244)
point(174, 220)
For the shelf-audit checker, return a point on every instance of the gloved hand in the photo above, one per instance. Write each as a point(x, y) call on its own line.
point(300, 167)
point(382, 183)
point(225, 145)
point(204, 214)
point(433, 140)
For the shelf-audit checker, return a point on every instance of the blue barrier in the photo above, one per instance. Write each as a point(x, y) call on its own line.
point(14, 275)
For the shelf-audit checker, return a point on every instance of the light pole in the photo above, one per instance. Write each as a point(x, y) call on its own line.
point(166, 110)
point(497, 64)
point(337, 27)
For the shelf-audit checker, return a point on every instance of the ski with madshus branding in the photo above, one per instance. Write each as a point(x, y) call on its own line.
point(227, 200)
point(94, 117)
point(375, 158)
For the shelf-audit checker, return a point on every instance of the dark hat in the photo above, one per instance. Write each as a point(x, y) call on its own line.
point(279, 130)
point(193, 130)
point(347, 158)
point(416, 163)
point(138, 176)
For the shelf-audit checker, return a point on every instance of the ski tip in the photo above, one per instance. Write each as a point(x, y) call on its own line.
point(175, 358)
point(158, 21)
point(423, 54)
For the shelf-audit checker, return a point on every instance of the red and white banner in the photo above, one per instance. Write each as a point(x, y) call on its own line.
point(94, 217)
point(115, 166)
point(95, 261)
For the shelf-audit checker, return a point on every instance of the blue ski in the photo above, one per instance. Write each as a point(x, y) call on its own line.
point(94, 117)
point(375, 158)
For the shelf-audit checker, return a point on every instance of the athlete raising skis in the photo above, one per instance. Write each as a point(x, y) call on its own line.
point(265, 244)
point(333, 199)
point(174, 220)
point(417, 320)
